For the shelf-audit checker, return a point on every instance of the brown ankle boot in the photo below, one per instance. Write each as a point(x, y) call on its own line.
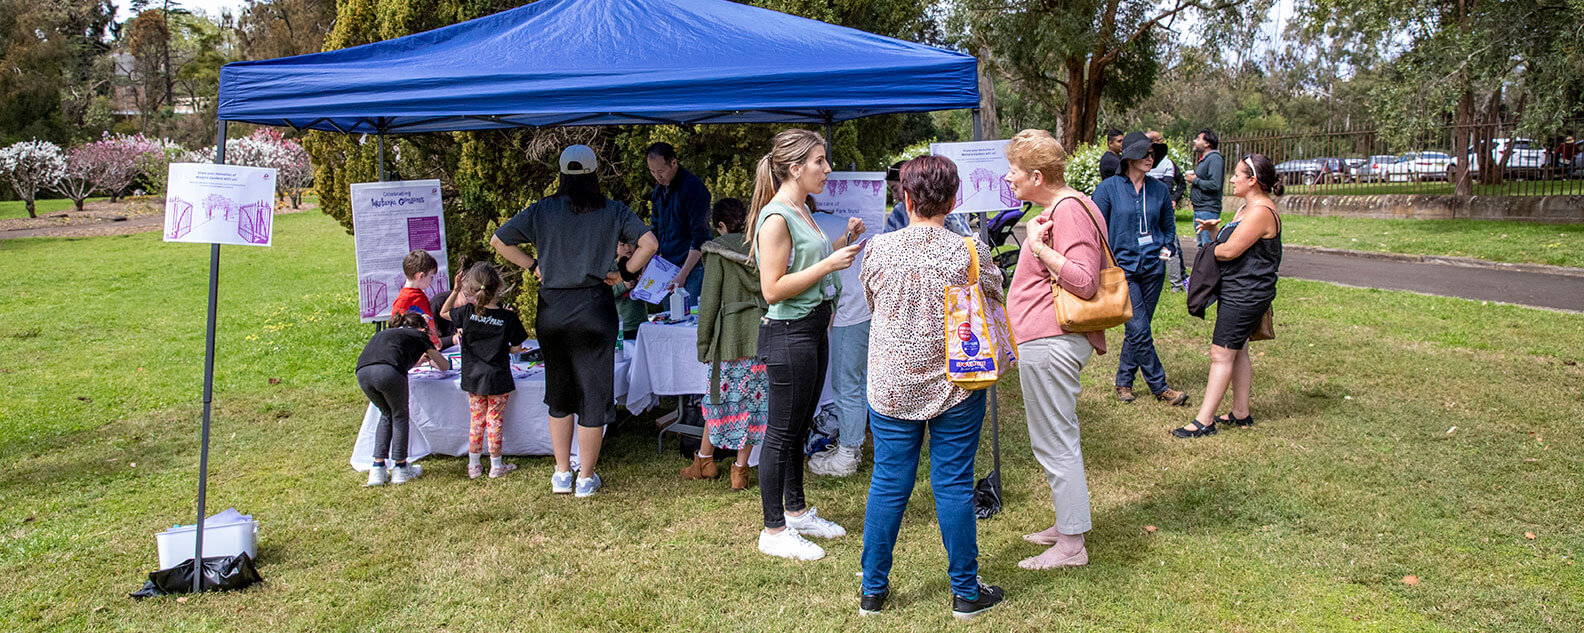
point(709, 470)
point(739, 477)
point(695, 470)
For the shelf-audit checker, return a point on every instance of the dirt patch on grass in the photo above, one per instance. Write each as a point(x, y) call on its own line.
point(128, 216)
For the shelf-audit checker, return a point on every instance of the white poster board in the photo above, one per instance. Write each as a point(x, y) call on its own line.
point(220, 204)
point(982, 167)
point(650, 286)
point(389, 220)
point(859, 194)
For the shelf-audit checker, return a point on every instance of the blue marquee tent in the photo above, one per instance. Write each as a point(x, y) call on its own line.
point(602, 62)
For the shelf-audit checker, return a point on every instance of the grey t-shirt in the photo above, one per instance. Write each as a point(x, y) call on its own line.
point(575, 249)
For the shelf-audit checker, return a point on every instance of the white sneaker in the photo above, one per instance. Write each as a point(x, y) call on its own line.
point(789, 544)
point(836, 461)
point(378, 476)
point(811, 524)
point(561, 483)
point(400, 475)
point(587, 486)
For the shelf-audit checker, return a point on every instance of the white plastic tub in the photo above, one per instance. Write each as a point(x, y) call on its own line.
point(220, 539)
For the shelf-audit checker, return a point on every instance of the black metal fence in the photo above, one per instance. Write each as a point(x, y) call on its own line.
point(1360, 162)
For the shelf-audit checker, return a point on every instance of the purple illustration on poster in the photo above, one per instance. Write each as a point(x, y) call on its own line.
point(223, 192)
point(860, 194)
point(981, 168)
point(373, 298)
point(183, 216)
point(390, 220)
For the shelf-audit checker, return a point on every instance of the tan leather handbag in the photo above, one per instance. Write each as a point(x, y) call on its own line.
point(1109, 307)
point(1267, 326)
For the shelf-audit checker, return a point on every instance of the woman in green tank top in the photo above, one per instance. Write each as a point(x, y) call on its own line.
point(797, 273)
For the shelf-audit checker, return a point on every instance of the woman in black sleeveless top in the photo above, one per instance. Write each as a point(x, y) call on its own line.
point(1249, 252)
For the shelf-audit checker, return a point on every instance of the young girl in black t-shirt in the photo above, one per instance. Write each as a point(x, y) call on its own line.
point(490, 334)
point(382, 373)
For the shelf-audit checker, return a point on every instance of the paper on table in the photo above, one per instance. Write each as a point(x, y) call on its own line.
point(651, 285)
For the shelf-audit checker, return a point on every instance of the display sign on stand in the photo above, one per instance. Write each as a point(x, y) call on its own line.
point(390, 220)
point(857, 194)
point(220, 204)
point(216, 204)
point(982, 167)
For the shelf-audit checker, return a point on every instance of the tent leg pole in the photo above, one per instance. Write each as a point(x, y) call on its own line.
point(208, 386)
point(380, 151)
point(995, 409)
point(829, 134)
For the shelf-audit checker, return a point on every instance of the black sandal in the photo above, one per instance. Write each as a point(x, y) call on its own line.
point(1241, 422)
point(1203, 430)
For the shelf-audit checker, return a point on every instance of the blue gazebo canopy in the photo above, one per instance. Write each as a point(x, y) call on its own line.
point(602, 62)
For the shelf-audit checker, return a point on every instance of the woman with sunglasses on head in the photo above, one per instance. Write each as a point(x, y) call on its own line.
point(1248, 253)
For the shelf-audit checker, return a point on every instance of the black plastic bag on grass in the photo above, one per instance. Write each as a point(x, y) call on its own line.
point(987, 495)
point(220, 573)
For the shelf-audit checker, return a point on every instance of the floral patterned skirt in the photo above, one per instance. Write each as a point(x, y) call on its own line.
point(739, 420)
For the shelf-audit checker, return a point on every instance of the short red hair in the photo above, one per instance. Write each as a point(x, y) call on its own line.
point(931, 183)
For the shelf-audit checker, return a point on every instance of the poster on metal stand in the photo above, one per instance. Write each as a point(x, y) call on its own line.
point(390, 220)
point(982, 168)
point(216, 204)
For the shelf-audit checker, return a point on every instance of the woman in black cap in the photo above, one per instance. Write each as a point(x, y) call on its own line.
point(1141, 222)
point(575, 233)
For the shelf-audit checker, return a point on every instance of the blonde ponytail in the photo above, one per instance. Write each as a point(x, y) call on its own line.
point(765, 186)
point(788, 148)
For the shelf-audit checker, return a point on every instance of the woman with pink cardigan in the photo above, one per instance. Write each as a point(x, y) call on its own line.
point(1064, 244)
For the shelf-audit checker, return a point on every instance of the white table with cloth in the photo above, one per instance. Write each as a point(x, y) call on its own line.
point(438, 414)
point(665, 363)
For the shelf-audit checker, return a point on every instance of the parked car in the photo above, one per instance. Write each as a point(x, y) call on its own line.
point(1374, 168)
point(1527, 159)
point(1415, 166)
point(1308, 171)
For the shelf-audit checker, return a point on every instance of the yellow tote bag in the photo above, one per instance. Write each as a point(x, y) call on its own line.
point(979, 345)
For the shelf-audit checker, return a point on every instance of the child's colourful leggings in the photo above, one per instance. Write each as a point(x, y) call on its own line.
point(486, 415)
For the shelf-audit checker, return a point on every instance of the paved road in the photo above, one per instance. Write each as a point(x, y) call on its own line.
point(1538, 289)
point(1545, 290)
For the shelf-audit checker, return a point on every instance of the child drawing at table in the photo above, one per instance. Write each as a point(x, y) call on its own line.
point(490, 334)
point(382, 374)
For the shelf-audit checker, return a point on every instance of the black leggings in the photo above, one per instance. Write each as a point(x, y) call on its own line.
point(795, 352)
point(386, 388)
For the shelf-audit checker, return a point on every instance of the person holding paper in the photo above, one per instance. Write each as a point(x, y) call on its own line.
point(680, 207)
point(797, 275)
point(1140, 222)
point(574, 233)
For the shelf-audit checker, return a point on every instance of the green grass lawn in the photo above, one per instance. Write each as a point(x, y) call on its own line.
point(1442, 188)
point(1352, 480)
point(1498, 241)
point(18, 209)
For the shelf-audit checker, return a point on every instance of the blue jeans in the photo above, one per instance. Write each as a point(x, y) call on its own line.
point(954, 439)
point(1205, 237)
point(695, 284)
point(1138, 342)
point(849, 350)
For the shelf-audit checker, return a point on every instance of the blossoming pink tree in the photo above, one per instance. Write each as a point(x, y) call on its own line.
point(267, 147)
point(112, 162)
point(30, 166)
point(76, 181)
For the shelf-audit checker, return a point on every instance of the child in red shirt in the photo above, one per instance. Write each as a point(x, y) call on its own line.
point(420, 268)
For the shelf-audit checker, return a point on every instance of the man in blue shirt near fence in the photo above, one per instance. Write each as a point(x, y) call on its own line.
point(1140, 222)
point(679, 208)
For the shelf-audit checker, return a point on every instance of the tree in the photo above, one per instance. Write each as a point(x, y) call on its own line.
point(30, 166)
point(1477, 62)
point(112, 162)
point(53, 55)
point(281, 28)
point(1070, 55)
point(76, 181)
point(268, 147)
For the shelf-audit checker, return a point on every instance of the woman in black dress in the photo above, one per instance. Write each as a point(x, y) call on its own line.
point(1249, 253)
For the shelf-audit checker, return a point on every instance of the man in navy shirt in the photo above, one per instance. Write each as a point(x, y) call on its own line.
point(679, 208)
point(1140, 219)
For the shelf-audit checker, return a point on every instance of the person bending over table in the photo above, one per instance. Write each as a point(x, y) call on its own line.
point(574, 233)
point(382, 375)
point(797, 275)
point(730, 309)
